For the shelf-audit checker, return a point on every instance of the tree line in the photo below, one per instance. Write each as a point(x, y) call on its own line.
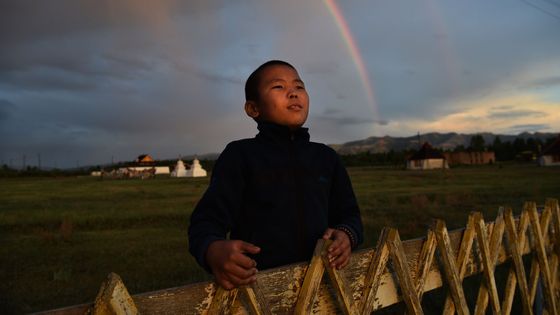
point(519, 149)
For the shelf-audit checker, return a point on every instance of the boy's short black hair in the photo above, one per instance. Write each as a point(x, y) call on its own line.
point(252, 83)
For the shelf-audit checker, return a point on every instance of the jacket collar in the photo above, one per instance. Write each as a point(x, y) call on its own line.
point(282, 133)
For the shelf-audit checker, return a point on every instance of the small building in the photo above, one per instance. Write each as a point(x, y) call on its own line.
point(196, 169)
point(469, 158)
point(145, 159)
point(157, 170)
point(427, 158)
point(145, 163)
point(551, 154)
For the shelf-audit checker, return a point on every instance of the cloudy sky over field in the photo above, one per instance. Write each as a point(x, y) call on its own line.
point(82, 82)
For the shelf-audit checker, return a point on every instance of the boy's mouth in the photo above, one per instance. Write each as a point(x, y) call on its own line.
point(295, 107)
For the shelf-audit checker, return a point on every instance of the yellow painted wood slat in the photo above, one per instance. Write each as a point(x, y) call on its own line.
point(450, 268)
point(518, 268)
point(465, 250)
point(257, 302)
point(552, 204)
point(398, 259)
point(113, 298)
point(374, 273)
point(369, 284)
point(554, 271)
point(488, 263)
point(312, 281)
point(548, 293)
point(222, 301)
point(339, 284)
point(425, 260)
point(535, 267)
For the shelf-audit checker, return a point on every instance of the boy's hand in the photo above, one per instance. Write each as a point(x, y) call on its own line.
point(339, 251)
point(230, 265)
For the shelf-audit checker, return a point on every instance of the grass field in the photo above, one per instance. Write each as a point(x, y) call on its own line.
point(60, 237)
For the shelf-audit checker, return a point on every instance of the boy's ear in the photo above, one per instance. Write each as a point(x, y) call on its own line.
point(252, 109)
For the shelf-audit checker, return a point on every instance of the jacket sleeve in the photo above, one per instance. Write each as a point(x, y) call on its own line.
point(213, 216)
point(344, 213)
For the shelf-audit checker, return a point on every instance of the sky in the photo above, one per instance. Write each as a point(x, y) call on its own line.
point(90, 82)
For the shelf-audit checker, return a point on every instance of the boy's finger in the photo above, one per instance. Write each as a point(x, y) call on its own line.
point(226, 284)
point(340, 261)
point(335, 252)
point(237, 281)
point(328, 234)
point(249, 248)
point(240, 272)
point(336, 245)
point(244, 261)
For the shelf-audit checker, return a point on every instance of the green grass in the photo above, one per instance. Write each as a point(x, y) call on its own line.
point(60, 237)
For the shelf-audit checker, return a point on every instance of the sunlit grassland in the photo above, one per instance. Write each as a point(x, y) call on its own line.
point(60, 237)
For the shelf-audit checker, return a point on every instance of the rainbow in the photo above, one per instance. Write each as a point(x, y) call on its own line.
point(354, 51)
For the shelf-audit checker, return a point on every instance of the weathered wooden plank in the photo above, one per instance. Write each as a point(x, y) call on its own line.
point(489, 286)
point(497, 237)
point(518, 267)
point(339, 285)
point(312, 281)
point(535, 267)
point(552, 204)
point(554, 271)
point(375, 271)
point(450, 268)
point(113, 298)
point(222, 301)
point(465, 251)
point(281, 286)
point(255, 299)
point(398, 259)
point(425, 261)
point(548, 293)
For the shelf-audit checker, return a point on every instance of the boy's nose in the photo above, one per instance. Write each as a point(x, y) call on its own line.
point(292, 93)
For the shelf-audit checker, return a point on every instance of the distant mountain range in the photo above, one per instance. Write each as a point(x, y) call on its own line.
point(444, 141)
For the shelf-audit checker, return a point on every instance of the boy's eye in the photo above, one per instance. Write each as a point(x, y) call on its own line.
point(277, 87)
point(300, 87)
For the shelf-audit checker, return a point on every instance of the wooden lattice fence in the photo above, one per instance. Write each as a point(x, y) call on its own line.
point(395, 271)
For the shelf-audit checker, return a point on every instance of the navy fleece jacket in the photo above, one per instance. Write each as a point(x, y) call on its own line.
point(278, 191)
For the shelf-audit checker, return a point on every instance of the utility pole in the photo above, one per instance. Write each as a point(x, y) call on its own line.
point(39, 160)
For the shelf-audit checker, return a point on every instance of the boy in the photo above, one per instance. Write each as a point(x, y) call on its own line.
point(277, 193)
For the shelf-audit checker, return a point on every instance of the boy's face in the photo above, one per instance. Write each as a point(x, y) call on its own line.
point(282, 98)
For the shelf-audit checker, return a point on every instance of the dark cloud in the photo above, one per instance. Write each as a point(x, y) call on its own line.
point(488, 48)
point(6, 109)
point(352, 120)
point(96, 78)
point(529, 128)
point(545, 82)
point(506, 112)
